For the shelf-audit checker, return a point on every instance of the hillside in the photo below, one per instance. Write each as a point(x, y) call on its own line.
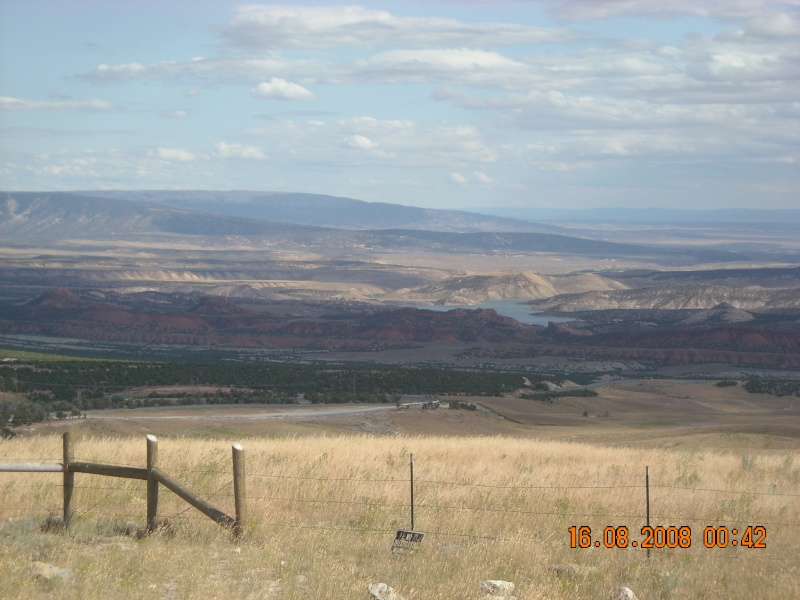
point(766, 277)
point(353, 332)
point(328, 211)
point(651, 215)
point(69, 215)
point(322, 510)
point(474, 289)
point(219, 322)
point(692, 296)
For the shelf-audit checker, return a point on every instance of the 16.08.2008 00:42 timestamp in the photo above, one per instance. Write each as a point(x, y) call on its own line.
point(751, 536)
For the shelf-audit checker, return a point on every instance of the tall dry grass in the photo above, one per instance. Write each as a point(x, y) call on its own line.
point(323, 512)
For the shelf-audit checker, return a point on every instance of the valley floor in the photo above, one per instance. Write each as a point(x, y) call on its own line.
point(658, 413)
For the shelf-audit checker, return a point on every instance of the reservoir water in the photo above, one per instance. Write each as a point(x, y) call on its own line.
point(509, 308)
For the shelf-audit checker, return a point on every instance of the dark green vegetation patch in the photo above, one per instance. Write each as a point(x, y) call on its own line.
point(64, 389)
point(550, 396)
point(774, 387)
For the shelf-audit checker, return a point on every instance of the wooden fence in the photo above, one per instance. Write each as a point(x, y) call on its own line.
point(154, 478)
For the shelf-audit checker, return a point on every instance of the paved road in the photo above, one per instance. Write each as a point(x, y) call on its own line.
point(241, 412)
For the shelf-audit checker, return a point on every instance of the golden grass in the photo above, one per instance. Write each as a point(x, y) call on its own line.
point(323, 511)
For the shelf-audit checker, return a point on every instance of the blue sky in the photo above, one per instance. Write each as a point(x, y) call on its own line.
point(445, 104)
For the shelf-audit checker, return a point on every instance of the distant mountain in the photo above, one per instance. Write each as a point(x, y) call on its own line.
point(65, 214)
point(648, 215)
point(517, 242)
point(674, 297)
point(327, 211)
point(474, 289)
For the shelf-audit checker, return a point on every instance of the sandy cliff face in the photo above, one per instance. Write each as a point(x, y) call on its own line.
point(675, 297)
point(474, 289)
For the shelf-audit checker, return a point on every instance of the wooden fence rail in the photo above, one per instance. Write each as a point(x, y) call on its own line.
point(152, 475)
point(32, 467)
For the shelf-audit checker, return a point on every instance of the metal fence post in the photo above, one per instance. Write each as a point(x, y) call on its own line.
point(412, 492)
point(239, 490)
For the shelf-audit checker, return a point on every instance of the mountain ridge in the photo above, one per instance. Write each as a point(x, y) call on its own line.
point(66, 215)
point(322, 210)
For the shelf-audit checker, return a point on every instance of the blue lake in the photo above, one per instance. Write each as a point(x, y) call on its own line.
point(509, 308)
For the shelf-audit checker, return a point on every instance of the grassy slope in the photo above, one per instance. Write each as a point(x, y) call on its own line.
point(323, 511)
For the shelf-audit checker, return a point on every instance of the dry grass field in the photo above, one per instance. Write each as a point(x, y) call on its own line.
point(323, 510)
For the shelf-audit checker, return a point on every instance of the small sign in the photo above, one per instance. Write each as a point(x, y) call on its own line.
point(406, 542)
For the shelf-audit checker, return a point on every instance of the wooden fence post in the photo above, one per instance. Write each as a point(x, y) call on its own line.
point(69, 478)
point(152, 483)
point(239, 490)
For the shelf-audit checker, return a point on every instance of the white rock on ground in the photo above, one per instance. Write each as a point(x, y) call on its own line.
point(497, 588)
point(623, 593)
point(381, 591)
point(45, 571)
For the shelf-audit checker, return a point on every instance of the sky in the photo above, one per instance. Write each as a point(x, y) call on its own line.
point(441, 103)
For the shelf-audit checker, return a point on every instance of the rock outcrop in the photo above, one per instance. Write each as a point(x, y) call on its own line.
point(623, 593)
point(496, 589)
point(674, 297)
point(474, 289)
point(382, 591)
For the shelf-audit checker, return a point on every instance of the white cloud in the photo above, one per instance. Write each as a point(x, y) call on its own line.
point(454, 65)
point(476, 176)
point(227, 69)
point(775, 25)
point(174, 114)
point(131, 68)
point(260, 27)
point(178, 154)
point(644, 69)
point(740, 65)
point(280, 89)
point(396, 143)
point(94, 105)
point(225, 150)
point(583, 10)
point(360, 142)
point(482, 177)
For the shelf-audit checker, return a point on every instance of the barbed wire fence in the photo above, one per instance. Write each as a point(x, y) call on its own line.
point(313, 506)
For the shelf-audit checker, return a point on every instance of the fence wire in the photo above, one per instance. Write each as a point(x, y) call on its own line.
point(211, 490)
